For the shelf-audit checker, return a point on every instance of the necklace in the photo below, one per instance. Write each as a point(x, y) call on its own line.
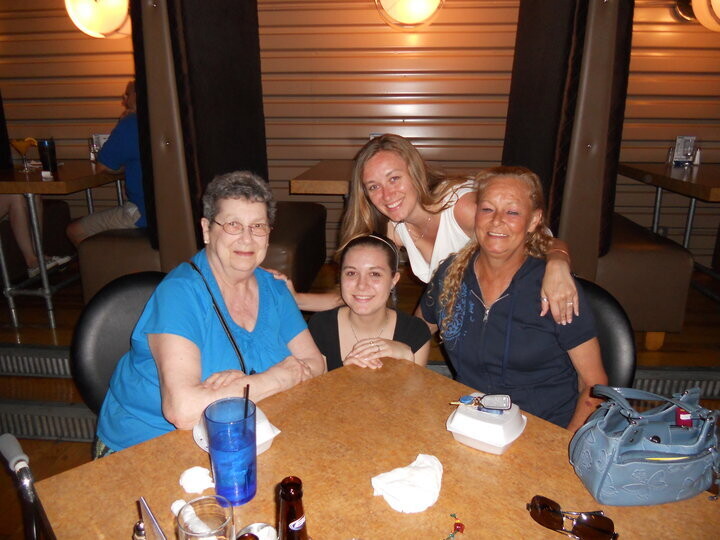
point(378, 334)
point(422, 230)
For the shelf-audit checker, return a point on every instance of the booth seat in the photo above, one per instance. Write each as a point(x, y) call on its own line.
point(662, 267)
point(297, 248)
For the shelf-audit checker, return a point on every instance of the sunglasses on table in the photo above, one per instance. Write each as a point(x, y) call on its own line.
point(583, 525)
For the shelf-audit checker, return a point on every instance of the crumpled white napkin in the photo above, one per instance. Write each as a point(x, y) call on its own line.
point(196, 480)
point(413, 488)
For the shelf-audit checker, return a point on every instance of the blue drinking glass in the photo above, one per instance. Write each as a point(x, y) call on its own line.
point(232, 444)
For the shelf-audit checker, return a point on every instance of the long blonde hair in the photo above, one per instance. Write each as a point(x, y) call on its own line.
point(432, 185)
point(536, 245)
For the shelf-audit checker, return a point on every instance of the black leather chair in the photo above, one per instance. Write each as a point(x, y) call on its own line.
point(102, 334)
point(615, 334)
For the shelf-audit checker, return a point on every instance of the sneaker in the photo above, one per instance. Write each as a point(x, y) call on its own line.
point(50, 262)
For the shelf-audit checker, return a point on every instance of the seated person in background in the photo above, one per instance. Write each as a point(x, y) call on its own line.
point(180, 357)
point(485, 301)
point(120, 152)
point(15, 207)
point(366, 330)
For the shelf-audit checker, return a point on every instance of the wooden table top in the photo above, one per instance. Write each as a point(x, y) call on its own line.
point(340, 430)
point(332, 177)
point(328, 177)
point(72, 176)
point(700, 181)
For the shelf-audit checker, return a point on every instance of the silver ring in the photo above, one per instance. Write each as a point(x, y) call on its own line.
point(372, 342)
point(569, 303)
point(544, 299)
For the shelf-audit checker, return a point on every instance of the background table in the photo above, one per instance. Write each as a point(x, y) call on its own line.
point(332, 177)
point(338, 431)
point(696, 182)
point(71, 177)
point(329, 177)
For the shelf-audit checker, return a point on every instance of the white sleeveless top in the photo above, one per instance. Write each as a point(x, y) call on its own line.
point(450, 238)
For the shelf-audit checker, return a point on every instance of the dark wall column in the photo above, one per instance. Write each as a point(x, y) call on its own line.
point(217, 65)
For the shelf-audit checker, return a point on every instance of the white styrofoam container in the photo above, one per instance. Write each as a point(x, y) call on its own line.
point(488, 432)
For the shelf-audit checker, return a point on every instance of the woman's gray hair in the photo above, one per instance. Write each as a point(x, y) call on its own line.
point(237, 185)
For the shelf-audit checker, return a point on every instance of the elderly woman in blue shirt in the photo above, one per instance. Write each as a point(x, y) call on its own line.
point(181, 359)
point(485, 301)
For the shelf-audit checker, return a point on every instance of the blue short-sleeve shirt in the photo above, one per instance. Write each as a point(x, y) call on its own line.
point(181, 305)
point(122, 149)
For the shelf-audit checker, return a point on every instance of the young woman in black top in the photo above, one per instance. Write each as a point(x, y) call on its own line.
point(365, 330)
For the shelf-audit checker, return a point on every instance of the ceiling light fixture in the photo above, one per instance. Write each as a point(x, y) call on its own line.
point(408, 14)
point(100, 18)
point(706, 12)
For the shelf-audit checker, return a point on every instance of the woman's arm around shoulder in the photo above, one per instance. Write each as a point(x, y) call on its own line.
point(309, 301)
point(559, 292)
point(587, 361)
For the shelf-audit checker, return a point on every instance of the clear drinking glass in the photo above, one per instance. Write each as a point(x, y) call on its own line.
point(205, 518)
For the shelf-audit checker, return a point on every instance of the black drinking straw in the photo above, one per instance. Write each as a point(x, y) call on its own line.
point(246, 394)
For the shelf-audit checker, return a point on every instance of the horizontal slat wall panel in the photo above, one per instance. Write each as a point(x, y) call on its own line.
point(334, 72)
point(674, 89)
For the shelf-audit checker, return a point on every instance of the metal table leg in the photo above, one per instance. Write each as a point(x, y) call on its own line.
point(89, 200)
point(45, 290)
point(689, 222)
point(7, 287)
point(656, 210)
point(119, 192)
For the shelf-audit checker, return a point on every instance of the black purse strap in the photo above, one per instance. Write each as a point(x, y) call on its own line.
point(222, 321)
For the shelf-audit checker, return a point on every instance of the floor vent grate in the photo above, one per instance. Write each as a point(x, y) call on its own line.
point(35, 361)
point(51, 421)
point(670, 380)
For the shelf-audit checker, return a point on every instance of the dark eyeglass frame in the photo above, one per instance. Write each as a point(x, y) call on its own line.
point(256, 229)
point(585, 525)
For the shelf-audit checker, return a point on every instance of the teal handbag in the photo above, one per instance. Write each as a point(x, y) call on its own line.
point(625, 457)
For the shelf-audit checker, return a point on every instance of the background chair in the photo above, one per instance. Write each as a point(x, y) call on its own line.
point(102, 334)
point(615, 334)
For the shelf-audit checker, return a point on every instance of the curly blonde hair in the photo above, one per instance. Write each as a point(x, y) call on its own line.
point(536, 245)
point(432, 185)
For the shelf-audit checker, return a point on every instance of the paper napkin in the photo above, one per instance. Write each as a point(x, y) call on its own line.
point(413, 488)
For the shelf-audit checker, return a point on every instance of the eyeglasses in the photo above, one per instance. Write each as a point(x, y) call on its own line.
point(235, 228)
point(585, 525)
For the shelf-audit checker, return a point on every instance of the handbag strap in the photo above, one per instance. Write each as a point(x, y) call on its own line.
point(223, 323)
point(621, 395)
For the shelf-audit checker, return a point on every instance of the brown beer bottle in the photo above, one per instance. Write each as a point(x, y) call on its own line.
point(292, 516)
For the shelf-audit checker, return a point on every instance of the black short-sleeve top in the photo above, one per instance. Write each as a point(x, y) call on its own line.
point(324, 329)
